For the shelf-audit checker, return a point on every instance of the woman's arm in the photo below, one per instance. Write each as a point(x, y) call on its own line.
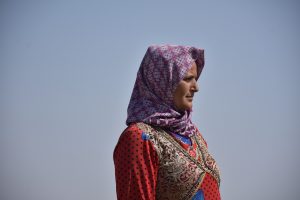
point(136, 166)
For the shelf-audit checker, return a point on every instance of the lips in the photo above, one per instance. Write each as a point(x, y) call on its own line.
point(190, 97)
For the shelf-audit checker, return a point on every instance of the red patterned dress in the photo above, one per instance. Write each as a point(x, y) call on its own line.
point(151, 164)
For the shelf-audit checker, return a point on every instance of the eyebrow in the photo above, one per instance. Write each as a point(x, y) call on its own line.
point(189, 76)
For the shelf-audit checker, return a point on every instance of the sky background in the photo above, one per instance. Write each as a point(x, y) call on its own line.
point(67, 70)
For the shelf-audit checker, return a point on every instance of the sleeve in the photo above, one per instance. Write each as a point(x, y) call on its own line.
point(136, 166)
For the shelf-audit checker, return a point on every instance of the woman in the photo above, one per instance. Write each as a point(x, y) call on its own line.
point(161, 154)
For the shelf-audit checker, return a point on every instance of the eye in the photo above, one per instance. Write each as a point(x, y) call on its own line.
point(188, 78)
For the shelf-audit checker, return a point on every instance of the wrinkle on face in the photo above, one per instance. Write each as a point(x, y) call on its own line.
point(185, 90)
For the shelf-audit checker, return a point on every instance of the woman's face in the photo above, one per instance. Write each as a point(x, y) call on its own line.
point(184, 93)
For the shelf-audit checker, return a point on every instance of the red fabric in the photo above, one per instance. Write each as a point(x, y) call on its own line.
point(136, 167)
point(210, 188)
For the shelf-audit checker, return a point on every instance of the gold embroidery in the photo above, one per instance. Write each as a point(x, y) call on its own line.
point(180, 175)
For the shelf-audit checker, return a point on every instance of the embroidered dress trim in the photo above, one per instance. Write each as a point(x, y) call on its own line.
point(200, 151)
point(180, 175)
point(209, 162)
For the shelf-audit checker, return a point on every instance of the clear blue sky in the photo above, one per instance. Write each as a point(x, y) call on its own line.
point(67, 69)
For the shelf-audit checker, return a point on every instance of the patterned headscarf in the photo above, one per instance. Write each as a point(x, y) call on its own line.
point(162, 68)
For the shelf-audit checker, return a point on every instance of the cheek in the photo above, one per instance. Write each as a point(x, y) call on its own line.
point(181, 91)
point(184, 89)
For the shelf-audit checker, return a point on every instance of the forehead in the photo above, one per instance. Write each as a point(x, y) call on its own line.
point(193, 70)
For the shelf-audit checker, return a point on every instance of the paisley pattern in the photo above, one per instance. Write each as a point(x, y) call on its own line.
point(180, 175)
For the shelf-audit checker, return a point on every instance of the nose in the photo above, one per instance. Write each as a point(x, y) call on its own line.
point(195, 87)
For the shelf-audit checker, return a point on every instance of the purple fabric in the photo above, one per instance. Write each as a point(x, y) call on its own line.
point(162, 68)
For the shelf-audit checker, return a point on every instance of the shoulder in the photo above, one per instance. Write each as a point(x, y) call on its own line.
point(134, 143)
point(135, 135)
point(131, 132)
point(136, 132)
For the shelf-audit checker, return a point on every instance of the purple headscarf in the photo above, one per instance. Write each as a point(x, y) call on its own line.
point(162, 68)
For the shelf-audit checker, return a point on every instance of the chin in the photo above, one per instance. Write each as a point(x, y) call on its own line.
point(189, 107)
point(186, 106)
